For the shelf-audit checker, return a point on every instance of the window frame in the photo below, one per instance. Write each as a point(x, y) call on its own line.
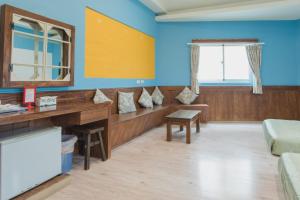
point(221, 42)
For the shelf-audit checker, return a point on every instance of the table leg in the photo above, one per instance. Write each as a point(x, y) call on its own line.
point(188, 133)
point(87, 152)
point(181, 128)
point(107, 137)
point(101, 146)
point(198, 125)
point(169, 131)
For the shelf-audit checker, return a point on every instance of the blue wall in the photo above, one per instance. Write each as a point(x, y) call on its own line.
point(279, 65)
point(298, 49)
point(130, 12)
point(280, 58)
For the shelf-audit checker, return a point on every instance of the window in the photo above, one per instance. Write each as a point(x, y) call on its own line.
point(223, 63)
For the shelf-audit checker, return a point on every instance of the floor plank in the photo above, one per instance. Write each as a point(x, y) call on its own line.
point(225, 161)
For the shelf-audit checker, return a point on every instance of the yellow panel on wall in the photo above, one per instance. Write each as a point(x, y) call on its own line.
point(115, 50)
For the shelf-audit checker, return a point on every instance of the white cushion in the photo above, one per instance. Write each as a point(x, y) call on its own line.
point(126, 102)
point(100, 97)
point(157, 96)
point(145, 99)
point(186, 96)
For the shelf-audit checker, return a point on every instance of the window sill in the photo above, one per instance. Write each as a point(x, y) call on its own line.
point(225, 83)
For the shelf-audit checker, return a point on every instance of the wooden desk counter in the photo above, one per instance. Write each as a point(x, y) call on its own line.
point(66, 115)
point(42, 112)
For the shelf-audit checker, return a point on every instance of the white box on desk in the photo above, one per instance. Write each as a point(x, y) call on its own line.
point(28, 160)
point(46, 101)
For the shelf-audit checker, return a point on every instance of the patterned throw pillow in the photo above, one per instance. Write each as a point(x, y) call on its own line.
point(186, 96)
point(126, 102)
point(100, 97)
point(145, 99)
point(157, 96)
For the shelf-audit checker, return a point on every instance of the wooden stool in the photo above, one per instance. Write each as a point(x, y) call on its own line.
point(84, 134)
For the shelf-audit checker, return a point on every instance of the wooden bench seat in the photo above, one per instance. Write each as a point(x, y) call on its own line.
point(128, 126)
point(117, 118)
point(125, 127)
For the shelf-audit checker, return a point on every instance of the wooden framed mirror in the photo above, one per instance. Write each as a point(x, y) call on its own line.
point(37, 51)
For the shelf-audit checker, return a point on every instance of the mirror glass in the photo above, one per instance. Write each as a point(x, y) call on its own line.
point(58, 53)
point(28, 44)
point(27, 50)
point(57, 74)
point(40, 51)
point(26, 73)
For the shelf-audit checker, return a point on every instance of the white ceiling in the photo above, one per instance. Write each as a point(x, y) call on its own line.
point(224, 10)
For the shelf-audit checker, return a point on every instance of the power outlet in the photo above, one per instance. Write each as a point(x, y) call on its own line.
point(138, 82)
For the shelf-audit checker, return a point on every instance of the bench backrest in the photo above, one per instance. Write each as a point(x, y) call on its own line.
point(169, 92)
point(87, 95)
point(113, 95)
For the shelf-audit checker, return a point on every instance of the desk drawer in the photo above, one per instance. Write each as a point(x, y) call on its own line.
point(80, 118)
point(92, 116)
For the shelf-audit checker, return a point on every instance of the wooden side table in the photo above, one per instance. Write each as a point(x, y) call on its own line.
point(183, 118)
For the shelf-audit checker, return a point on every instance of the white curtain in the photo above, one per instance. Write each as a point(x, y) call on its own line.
point(254, 53)
point(195, 52)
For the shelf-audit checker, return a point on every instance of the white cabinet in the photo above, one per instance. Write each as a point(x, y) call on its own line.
point(28, 160)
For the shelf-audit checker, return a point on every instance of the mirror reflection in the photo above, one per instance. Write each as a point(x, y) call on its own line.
point(40, 51)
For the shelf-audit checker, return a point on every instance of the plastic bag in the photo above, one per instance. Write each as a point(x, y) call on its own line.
point(68, 142)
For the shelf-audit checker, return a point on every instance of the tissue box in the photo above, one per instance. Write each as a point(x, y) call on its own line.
point(46, 101)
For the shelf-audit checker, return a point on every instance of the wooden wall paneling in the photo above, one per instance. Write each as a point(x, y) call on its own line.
point(292, 104)
point(298, 105)
point(225, 103)
point(238, 103)
point(243, 106)
point(273, 104)
point(224, 106)
point(267, 103)
point(212, 101)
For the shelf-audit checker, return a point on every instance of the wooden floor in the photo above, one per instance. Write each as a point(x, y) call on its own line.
point(226, 161)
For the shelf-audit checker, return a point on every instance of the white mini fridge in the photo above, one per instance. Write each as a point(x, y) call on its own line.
point(29, 159)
